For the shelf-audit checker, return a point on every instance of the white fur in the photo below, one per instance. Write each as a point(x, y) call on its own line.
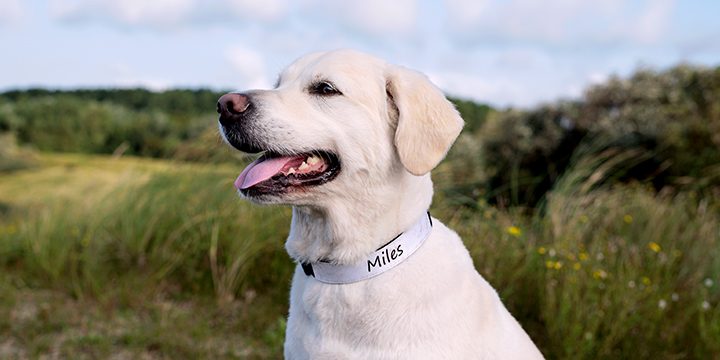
point(389, 127)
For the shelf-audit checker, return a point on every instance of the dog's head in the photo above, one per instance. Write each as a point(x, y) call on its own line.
point(337, 122)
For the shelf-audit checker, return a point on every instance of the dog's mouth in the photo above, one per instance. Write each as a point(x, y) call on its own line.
point(274, 174)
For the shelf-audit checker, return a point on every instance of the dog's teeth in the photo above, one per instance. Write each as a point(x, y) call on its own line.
point(303, 166)
point(291, 171)
point(312, 160)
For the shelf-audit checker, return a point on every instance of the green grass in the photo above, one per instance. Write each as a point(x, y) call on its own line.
point(603, 272)
point(133, 233)
point(136, 258)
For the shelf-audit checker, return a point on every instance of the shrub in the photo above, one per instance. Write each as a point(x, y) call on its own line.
point(62, 124)
point(671, 117)
point(100, 121)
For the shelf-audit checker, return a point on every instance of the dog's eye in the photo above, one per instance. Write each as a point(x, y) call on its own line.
point(325, 89)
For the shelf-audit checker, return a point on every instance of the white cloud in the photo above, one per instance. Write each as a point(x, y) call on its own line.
point(150, 84)
point(154, 13)
point(563, 22)
point(498, 91)
point(597, 78)
point(523, 19)
point(250, 66)
point(167, 14)
point(650, 24)
point(464, 14)
point(269, 10)
point(11, 12)
point(519, 75)
point(379, 18)
point(518, 59)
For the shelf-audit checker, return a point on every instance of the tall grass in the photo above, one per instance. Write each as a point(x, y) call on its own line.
point(630, 267)
point(604, 271)
point(186, 226)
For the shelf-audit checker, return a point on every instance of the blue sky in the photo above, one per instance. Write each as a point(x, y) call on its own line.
point(502, 52)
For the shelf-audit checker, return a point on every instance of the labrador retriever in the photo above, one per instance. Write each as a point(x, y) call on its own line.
point(349, 141)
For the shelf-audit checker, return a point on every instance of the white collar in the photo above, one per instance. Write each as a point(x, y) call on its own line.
point(383, 259)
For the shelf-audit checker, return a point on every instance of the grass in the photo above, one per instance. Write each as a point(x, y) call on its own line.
point(132, 236)
point(606, 271)
point(37, 323)
point(137, 258)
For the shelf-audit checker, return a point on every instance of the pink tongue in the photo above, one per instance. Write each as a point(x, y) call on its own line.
point(261, 170)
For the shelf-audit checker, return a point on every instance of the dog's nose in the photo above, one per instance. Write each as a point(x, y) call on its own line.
point(229, 106)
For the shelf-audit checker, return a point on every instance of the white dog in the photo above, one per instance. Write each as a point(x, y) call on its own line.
point(349, 141)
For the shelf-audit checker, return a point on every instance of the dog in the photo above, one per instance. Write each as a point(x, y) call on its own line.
point(349, 141)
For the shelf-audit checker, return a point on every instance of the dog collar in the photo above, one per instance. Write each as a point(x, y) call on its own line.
point(383, 259)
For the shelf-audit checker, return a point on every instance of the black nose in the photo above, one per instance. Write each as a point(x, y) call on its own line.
point(232, 105)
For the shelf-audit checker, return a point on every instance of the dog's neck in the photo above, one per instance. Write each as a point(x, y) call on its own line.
point(349, 227)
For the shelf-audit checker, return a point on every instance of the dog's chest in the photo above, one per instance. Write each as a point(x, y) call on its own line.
point(350, 306)
point(434, 305)
point(388, 319)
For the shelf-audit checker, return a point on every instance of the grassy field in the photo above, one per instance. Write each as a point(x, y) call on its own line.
point(124, 258)
point(134, 257)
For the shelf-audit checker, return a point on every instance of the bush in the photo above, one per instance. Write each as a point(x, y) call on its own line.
point(676, 111)
point(62, 124)
point(474, 114)
point(100, 121)
point(671, 117)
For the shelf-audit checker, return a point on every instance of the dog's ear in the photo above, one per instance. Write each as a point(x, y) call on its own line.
point(427, 122)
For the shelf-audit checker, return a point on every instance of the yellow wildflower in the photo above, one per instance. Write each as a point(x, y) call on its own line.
point(550, 264)
point(676, 252)
point(646, 280)
point(584, 219)
point(655, 247)
point(583, 256)
point(542, 250)
point(576, 266)
point(628, 219)
point(513, 230)
point(558, 265)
